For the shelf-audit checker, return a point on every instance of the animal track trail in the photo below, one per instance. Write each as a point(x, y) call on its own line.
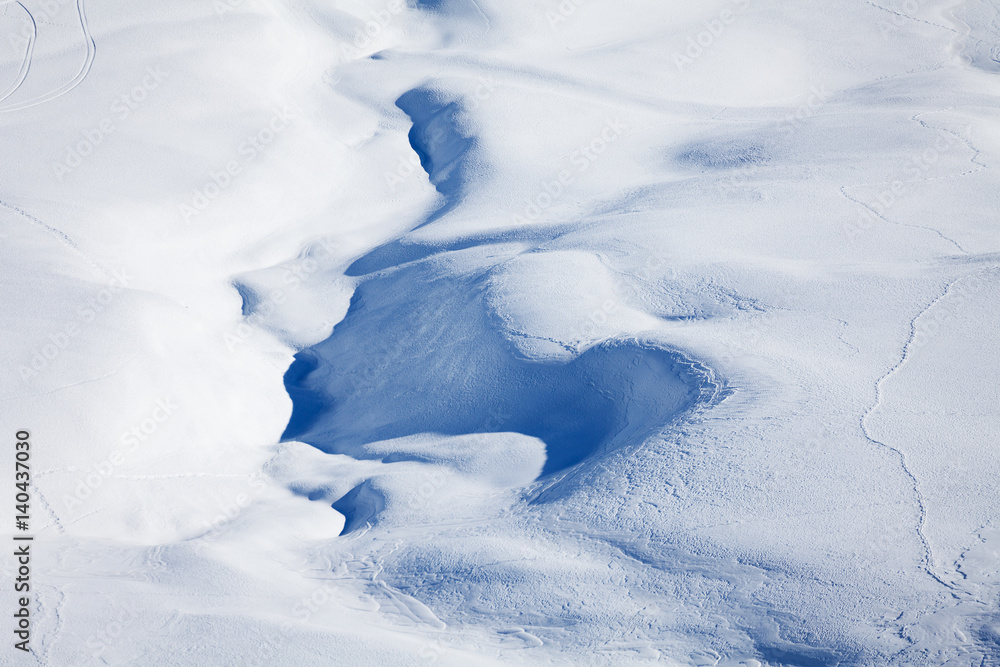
point(975, 151)
point(910, 17)
point(51, 640)
point(48, 508)
point(63, 238)
point(974, 159)
point(928, 552)
point(871, 209)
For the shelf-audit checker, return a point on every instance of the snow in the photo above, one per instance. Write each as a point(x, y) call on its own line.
point(476, 331)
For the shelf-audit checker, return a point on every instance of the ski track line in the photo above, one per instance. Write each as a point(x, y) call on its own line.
point(75, 81)
point(28, 52)
point(928, 553)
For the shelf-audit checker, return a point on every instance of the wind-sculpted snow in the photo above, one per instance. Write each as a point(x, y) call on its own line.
point(461, 332)
point(419, 352)
point(437, 140)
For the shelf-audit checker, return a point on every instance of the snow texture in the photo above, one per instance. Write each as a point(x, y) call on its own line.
point(470, 332)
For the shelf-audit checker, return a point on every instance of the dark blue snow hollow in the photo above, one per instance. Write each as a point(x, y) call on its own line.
point(418, 352)
point(441, 144)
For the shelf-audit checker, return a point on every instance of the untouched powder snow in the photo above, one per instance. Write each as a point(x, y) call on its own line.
point(468, 332)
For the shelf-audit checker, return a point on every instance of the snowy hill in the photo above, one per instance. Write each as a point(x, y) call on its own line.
point(461, 332)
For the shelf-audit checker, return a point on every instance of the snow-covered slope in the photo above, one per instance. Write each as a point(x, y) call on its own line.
point(469, 331)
